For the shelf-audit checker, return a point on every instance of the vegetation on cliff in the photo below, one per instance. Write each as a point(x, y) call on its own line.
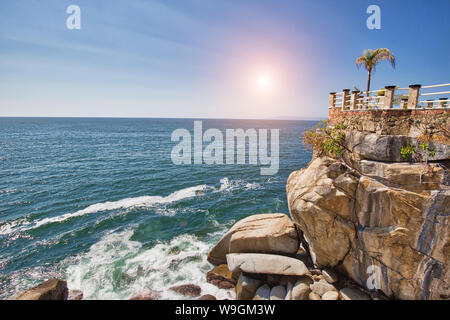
point(323, 139)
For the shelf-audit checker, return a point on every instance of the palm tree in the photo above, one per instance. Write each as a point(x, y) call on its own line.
point(369, 60)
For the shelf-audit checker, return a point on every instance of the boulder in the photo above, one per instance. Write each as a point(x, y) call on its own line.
point(190, 290)
point(322, 210)
point(266, 264)
point(321, 287)
point(53, 289)
point(263, 233)
point(278, 293)
point(314, 296)
point(147, 295)
point(330, 295)
point(377, 223)
point(207, 297)
point(75, 295)
point(353, 294)
point(221, 277)
point(263, 293)
point(301, 290)
point(246, 287)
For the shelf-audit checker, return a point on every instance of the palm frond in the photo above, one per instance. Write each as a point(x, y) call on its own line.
point(370, 58)
point(384, 54)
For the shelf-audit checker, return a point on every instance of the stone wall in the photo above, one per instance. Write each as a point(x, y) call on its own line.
point(412, 123)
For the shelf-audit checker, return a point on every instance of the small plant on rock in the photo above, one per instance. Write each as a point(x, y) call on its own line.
point(408, 151)
point(325, 140)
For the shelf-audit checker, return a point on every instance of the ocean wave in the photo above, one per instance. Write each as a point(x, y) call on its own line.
point(129, 203)
point(117, 267)
point(226, 185)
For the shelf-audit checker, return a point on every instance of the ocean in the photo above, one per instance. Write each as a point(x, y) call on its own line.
point(98, 202)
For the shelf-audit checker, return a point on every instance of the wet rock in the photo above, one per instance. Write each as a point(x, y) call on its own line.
point(147, 295)
point(207, 297)
point(53, 289)
point(221, 277)
point(190, 290)
point(75, 295)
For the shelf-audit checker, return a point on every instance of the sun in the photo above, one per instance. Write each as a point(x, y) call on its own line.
point(264, 82)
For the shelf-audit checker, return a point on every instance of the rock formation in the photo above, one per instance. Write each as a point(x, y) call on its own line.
point(262, 233)
point(147, 295)
point(53, 289)
point(221, 277)
point(268, 276)
point(191, 290)
point(376, 218)
point(265, 264)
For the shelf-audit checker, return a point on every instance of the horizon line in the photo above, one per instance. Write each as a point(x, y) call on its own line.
point(180, 118)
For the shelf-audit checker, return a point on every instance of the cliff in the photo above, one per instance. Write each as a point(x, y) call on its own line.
point(375, 212)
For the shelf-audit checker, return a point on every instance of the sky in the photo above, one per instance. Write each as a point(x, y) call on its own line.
point(209, 58)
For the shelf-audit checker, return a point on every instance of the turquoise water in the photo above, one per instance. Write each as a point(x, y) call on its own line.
point(99, 202)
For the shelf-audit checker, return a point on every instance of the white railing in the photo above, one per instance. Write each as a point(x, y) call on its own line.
point(440, 99)
point(392, 97)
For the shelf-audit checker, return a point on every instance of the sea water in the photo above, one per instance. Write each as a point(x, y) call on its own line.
point(99, 202)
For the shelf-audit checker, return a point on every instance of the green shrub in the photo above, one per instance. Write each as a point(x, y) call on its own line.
point(325, 140)
point(431, 152)
point(408, 151)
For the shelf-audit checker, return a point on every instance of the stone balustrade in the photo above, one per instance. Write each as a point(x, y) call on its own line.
point(391, 97)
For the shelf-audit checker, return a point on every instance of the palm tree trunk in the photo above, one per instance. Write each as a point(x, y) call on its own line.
point(368, 82)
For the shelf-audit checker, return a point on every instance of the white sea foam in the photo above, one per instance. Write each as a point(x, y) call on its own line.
point(12, 226)
point(226, 185)
point(129, 203)
point(117, 268)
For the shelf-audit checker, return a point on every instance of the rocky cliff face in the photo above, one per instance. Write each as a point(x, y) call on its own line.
point(382, 222)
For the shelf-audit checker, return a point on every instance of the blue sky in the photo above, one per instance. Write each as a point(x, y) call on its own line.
point(197, 58)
